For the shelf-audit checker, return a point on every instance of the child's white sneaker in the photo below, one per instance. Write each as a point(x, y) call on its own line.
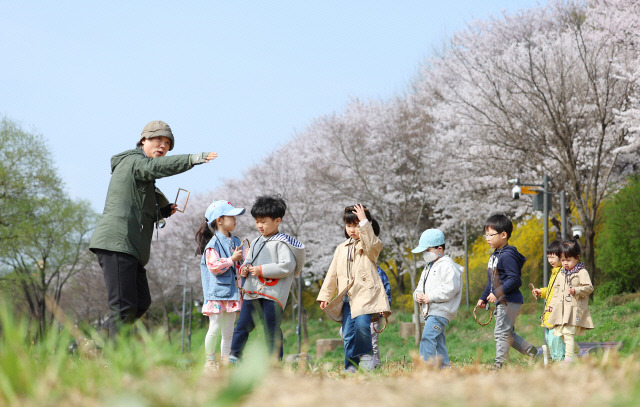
point(211, 366)
point(367, 362)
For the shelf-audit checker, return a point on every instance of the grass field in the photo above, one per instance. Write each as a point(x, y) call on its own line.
point(149, 371)
point(616, 319)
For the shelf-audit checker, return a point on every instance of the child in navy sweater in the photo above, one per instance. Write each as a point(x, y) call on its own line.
point(503, 289)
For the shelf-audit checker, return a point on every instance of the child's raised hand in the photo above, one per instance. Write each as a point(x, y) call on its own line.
point(536, 293)
point(359, 211)
point(211, 156)
point(237, 254)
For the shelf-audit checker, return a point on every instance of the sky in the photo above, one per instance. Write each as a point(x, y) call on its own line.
point(236, 77)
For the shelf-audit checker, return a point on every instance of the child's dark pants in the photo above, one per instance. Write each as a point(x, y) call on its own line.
point(271, 315)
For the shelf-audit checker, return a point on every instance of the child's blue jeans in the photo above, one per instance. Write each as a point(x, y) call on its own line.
point(356, 333)
point(433, 343)
point(271, 315)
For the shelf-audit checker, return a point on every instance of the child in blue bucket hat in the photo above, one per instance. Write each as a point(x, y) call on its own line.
point(438, 293)
point(221, 258)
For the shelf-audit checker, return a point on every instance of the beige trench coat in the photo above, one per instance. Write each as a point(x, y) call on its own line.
point(367, 295)
point(567, 309)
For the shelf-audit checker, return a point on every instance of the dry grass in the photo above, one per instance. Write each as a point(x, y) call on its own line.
point(600, 381)
point(616, 300)
point(590, 382)
point(146, 370)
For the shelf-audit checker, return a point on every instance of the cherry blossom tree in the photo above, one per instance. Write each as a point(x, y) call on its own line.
point(548, 91)
point(539, 92)
point(381, 154)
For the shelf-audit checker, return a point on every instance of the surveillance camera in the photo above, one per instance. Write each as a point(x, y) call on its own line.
point(576, 230)
point(515, 192)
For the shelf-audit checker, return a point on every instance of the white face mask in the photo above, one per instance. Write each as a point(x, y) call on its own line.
point(429, 256)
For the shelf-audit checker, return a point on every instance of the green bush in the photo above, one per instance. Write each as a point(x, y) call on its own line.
point(618, 245)
point(608, 289)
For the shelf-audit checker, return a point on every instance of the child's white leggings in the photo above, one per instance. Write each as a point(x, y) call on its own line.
point(571, 347)
point(568, 333)
point(219, 325)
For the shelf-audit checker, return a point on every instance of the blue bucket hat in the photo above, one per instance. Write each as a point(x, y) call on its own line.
point(429, 238)
point(221, 208)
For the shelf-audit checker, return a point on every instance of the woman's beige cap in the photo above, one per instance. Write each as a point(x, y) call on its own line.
point(157, 128)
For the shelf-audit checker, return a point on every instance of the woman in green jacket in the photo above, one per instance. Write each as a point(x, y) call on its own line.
point(122, 239)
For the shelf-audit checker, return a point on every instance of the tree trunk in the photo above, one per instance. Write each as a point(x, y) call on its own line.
point(305, 331)
point(589, 251)
point(416, 317)
point(416, 308)
point(400, 275)
point(42, 318)
point(166, 320)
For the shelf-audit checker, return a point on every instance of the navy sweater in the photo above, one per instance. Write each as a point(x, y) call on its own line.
point(504, 275)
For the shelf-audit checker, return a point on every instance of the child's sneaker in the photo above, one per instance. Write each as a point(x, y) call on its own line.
point(211, 366)
point(367, 362)
point(535, 355)
point(350, 369)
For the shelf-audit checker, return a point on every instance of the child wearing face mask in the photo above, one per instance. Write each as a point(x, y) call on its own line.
point(438, 292)
point(354, 269)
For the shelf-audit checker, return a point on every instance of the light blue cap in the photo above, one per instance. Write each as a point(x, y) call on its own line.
point(429, 238)
point(221, 208)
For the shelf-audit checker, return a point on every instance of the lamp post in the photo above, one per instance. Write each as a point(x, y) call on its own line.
point(466, 260)
point(184, 300)
point(545, 236)
point(299, 327)
point(546, 194)
point(563, 221)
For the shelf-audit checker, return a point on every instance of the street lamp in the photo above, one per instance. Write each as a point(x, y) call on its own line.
point(524, 188)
